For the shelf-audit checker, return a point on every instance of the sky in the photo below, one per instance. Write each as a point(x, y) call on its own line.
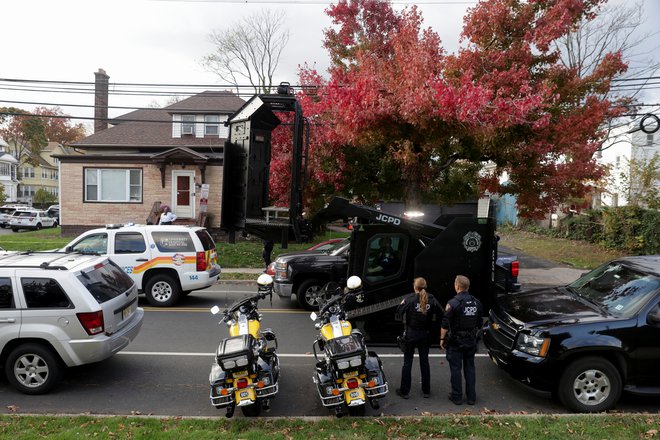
point(162, 41)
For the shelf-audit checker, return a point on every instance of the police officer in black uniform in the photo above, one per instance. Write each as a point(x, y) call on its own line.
point(418, 310)
point(458, 335)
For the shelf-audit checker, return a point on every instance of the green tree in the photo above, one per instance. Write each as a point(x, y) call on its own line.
point(3, 196)
point(641, 182)
point(43, 197)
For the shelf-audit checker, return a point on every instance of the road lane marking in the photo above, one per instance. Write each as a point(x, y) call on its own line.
point(199, 310)
point(281, 355)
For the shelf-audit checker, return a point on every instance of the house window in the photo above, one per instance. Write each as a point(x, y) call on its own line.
point(211, 125)
point(187, 124)
point(25, 191)
point(113, 185)
point(5, 169)
point(28, 172)
point(44, 174)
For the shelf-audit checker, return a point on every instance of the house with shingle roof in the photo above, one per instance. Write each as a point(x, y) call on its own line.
point(134, 163)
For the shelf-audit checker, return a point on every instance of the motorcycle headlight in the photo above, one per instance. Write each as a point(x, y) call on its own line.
point(242, 361)
point(533, 345)
point(355, 362)
point(229, 364)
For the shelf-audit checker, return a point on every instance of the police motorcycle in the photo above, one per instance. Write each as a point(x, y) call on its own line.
point(246, 369)
point(348, 375)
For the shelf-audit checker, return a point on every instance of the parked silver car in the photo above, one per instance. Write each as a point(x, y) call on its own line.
point(61, 310)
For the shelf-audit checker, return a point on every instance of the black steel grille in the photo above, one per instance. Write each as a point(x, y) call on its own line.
point(504, 332)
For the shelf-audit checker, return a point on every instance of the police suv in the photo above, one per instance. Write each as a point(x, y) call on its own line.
point(166, 262)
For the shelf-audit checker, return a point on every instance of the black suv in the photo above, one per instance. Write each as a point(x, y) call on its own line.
point(585, 342)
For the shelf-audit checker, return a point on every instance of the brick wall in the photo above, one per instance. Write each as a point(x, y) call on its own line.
point(77, 216)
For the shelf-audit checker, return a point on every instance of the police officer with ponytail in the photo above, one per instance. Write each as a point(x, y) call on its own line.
point(458, 335)
point(418, 310)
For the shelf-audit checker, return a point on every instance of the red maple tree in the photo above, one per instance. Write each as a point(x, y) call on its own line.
point(400, 118)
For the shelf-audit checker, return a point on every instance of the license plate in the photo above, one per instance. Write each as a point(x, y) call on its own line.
point(240, 373)
point(244, 395)
point(128, 311)
point(355, 394)
point(351, 374)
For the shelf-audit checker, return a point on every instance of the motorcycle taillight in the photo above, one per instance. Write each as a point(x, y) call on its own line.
point(352, 384)
point(241, 383)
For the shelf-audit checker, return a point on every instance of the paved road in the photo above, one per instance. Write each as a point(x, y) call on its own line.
point(165, 370)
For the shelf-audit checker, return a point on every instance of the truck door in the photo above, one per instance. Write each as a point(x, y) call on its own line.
point(382, 256)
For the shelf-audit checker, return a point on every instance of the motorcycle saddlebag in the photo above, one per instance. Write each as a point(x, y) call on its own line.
point(236, 353)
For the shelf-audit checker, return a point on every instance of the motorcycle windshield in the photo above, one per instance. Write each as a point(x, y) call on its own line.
point(344, 346)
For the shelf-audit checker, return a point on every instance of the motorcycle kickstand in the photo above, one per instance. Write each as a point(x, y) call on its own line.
point(265, 405)
point(230, 411)
point(374, 403)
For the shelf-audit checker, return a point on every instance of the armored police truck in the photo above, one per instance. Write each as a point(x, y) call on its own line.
point(386, 250)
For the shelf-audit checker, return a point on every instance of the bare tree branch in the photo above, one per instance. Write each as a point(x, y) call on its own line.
point(249, 50)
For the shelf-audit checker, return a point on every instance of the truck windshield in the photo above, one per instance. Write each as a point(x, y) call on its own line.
point(619, 289)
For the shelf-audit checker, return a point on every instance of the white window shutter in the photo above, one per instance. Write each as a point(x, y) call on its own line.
point(223, 131)
point(199, 126)
point(176, 126)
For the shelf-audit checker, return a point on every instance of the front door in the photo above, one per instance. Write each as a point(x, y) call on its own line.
point(183, 194)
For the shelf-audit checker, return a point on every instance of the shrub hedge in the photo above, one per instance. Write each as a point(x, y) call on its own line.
point(631, 229)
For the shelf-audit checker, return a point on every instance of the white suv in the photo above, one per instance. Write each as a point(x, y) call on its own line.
point(59, 309)
point(31, 219)
point(6, 212)
point(165, 261)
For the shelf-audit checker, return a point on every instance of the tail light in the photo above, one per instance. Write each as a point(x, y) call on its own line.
point(201, 261)
point(515, 268)
point(270, 270)
point(92, 322)
point(352, 384)
point(241, 383)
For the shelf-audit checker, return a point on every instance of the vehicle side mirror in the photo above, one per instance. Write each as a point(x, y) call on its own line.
point(653, 317)
point(68, 249)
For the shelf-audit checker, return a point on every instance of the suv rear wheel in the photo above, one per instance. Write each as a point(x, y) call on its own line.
point(310, 294)
point(32, 369)
point(162, 291)
point(590, 384)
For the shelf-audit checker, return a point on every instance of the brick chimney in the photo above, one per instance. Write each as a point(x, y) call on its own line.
point(101, 101)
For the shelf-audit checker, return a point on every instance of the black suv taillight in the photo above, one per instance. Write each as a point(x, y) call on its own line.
point(201, 261)
point(515, 268)
point(92, 322)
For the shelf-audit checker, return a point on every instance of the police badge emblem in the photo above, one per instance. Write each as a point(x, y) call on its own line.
point(472, 241)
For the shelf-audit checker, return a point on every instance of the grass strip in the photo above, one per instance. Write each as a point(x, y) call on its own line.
point(536, 427)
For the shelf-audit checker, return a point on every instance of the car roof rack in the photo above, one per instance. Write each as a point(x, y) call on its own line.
point(47, 265)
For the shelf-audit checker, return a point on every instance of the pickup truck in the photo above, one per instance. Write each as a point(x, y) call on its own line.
point(586, 342)
point(305, 273)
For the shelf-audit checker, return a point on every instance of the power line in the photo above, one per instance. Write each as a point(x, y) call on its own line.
point(53, 104)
